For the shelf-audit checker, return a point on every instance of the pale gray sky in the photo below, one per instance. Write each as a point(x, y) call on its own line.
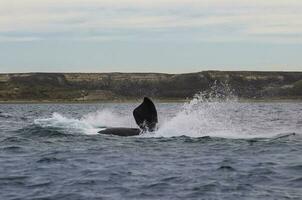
point(154, 36)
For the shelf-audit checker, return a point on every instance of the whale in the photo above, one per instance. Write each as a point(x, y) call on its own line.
point(145, 116)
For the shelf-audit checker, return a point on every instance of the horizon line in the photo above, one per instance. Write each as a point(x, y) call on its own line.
point(150, 72)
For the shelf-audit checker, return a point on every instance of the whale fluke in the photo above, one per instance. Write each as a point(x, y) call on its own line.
point(145, 115)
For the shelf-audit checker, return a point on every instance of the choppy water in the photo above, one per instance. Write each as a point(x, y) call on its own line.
point(53, 151)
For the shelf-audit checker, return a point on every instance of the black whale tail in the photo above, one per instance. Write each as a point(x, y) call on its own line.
point(145, 115)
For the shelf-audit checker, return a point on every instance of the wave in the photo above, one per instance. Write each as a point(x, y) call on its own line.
point(5, 115)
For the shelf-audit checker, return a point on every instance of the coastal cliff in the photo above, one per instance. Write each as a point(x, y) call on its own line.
point(127, 86)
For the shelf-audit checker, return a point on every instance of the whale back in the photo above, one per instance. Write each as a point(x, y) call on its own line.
point(145, 115)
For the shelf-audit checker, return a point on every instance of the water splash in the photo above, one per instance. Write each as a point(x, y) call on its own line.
point(108, 118)
point(89, 124)
point(68, 125)
point(207, 114)
point(214, 113)
point(218, 113)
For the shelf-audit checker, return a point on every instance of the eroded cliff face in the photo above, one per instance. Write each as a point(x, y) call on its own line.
point(123, 86)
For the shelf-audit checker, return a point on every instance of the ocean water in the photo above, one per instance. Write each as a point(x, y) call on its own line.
point(204, 149)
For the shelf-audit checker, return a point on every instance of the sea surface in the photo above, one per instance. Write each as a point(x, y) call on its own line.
point(218, 149)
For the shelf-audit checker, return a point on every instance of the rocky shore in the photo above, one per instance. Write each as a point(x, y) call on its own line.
point(87, 87)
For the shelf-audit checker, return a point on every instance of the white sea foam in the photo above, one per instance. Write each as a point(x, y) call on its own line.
point(68, 125)
point(108, 118)
point(89, 124)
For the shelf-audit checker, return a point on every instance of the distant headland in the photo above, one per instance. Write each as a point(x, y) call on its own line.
point(90, 87)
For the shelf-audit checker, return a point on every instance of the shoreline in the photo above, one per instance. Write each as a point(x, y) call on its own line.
point(90, 102)
point(272, 100)
point(83, 88)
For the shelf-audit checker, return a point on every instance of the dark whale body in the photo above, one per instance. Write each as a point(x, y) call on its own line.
point(121, 131)
point(145, 116)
